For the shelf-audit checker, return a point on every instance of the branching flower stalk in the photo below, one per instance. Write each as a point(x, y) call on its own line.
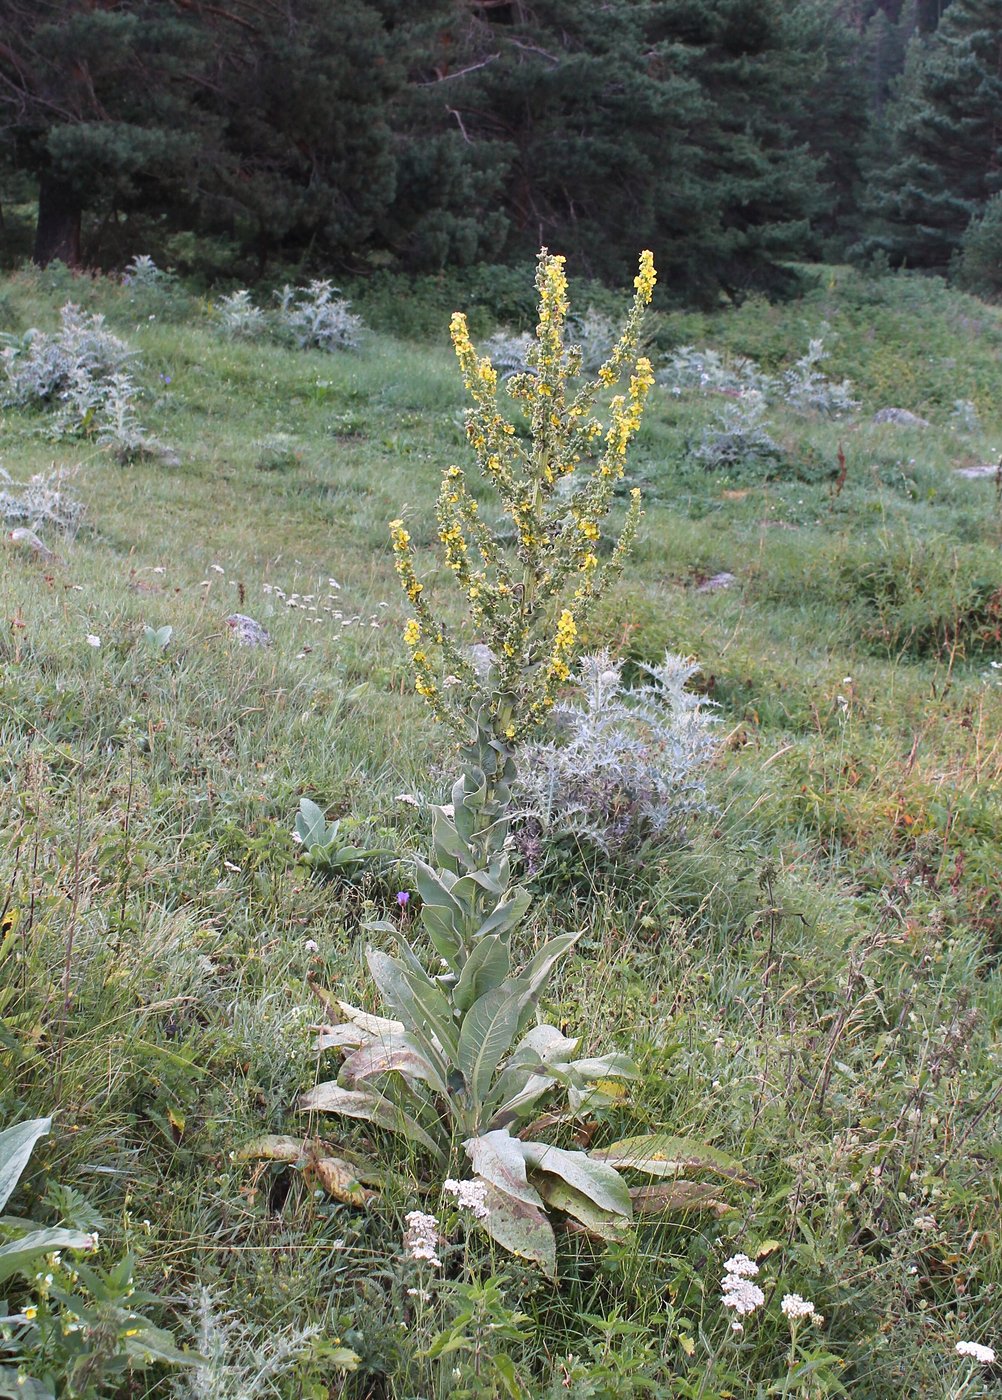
point(464, 1063)
point(527, 602)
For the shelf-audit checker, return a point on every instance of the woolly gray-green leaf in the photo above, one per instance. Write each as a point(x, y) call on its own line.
point(497, 1157)
point(520, 1227)
point(355, 1103)
point(16, 1146)
point(658, 1154)
point(596, 1180)
point(488, 1029)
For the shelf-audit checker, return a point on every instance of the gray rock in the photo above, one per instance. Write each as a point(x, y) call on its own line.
point(976, 473)
point(718, 581)
point(24, 538)
point(248, 632)
point(901, 416)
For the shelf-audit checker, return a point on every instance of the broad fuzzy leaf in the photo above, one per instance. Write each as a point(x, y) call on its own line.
point(339, 1180)
point(426, 1012)
point(311, 824)
point(487, 967)
point(392, 1054)
point(273, 1147)
point(657, 1154)
point(510, 911)
point(375, 1025)
point(488, 1030)
point(557, 1194)
point(520, 1227)
point(22, 1252)
point(678, 1196)
point(599, 1182)
point(356, 1103)
point(499, 1159)
point(16, 1146)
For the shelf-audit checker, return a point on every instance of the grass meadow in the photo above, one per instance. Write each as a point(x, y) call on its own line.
point(810, 983)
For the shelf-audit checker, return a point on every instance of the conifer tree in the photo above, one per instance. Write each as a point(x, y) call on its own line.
point(947, 147)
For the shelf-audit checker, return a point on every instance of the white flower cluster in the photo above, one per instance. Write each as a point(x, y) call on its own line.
point(793, 1306)
point(421, 1238)
point(736, 1289)
point(470, 1195)
point(986, 1355)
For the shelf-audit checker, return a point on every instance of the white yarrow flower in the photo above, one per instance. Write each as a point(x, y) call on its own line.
point(977, 1352)
point(794, 1306)
point(741, 1266)
point(470, 1195)
point(421, 1238)
point(93, 641)
point(740, 1294)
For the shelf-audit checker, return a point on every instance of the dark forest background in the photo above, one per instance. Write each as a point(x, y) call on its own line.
point(732, 136)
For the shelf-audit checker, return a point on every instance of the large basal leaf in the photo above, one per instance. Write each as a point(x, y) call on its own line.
point(345, 1037)
point(536, 974)
point(272, 1147)
point(311, 824)
point(599, 1182)
point(357, 1103)
point(417, 1000)
point(22, 1252)
point(392, 1054)
point(16, 1145)
point(657, 1154)
point(15, 1386)
point(520, 1227)
point(557, 1194)
point(488, 1029)
point(546, 1044)
point(678, 1196)
point(339, 1179)
point(499, 1159)
point(611, 1066)
point(375, 1025)
point(487, 967)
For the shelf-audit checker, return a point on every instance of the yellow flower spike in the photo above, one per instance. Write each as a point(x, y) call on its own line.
point(646, 278)
point(412, 633)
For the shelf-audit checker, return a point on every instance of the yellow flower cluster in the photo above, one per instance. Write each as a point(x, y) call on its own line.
point(563, 647)
point(627, 411)
point(551, 566)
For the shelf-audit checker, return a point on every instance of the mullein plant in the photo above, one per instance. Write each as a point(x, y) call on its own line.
point(464, 1063)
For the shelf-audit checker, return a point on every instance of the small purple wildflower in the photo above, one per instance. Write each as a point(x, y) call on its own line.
point(165, 378)
point(403, 898)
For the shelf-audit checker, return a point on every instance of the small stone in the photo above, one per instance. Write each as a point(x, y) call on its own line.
point(901, 416)
point(985, 469)
point(248, 632)
point(718, 581)
point(27, 539)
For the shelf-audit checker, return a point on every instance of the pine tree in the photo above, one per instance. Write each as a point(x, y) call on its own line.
point(947, 147)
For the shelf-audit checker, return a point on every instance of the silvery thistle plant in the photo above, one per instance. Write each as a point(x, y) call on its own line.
point(462, 1063)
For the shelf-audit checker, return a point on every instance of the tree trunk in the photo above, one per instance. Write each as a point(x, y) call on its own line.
point(57, 233)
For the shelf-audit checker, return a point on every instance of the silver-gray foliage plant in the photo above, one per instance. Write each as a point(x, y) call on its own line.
point(42, 500)
point(234, 1362)
point(802, 386)
point(629, 762)
point(239, 318)
point(81, 371)
point(739, 438)
point(318, 318)
point(70, 367)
